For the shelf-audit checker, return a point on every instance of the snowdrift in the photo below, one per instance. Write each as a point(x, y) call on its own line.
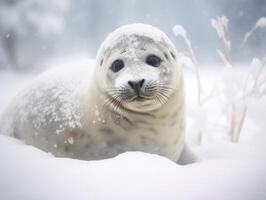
point(28, 173)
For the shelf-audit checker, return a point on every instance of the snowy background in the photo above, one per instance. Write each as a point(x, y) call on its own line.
point(222, 46)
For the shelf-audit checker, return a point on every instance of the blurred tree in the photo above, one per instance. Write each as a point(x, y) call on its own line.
point(28, 29)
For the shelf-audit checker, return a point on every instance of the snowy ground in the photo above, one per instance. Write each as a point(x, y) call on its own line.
point(229, 170)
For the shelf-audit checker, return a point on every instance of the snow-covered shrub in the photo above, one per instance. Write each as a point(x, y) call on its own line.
point(235, 89)
point(230, 91)
point(28, 29)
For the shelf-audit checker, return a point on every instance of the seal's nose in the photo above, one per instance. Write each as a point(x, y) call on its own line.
point(136, 85)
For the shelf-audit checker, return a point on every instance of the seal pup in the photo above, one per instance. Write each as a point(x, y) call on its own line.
point(133, 101)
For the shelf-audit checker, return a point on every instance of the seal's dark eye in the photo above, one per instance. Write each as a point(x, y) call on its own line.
point(117, 65)
point(153, 60)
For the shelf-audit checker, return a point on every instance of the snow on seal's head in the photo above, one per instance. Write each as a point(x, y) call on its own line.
point(140, 68)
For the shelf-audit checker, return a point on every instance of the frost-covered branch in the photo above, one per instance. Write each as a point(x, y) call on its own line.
point(223, 58)
point(180, 31)
point(221, 26)
point(261, 23)
point(257, 79)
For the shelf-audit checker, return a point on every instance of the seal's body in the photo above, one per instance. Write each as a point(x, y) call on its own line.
point(134, 101)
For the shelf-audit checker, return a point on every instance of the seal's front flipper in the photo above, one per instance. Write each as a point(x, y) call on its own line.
point(188, 156)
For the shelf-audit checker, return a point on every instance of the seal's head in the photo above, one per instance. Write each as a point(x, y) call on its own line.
point(140, 68)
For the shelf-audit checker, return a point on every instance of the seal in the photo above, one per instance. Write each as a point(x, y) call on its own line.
point(133, 101)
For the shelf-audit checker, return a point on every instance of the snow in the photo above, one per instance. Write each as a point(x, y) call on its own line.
point(28, 173)
point(179, 30)
point(136, 29)
point(228, 170)
point(261, 22)
point(224, 91)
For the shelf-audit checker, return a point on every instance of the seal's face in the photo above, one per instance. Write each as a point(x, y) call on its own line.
point(140, 71)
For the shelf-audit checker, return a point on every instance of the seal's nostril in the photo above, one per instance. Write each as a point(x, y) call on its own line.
point(141, 82)
point(131, 84)
point(136, 85)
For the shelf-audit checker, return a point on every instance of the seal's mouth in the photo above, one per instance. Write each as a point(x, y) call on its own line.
point(149, 98)
point(138, 98)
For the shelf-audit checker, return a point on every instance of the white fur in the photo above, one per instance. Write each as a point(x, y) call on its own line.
point(66, 113)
